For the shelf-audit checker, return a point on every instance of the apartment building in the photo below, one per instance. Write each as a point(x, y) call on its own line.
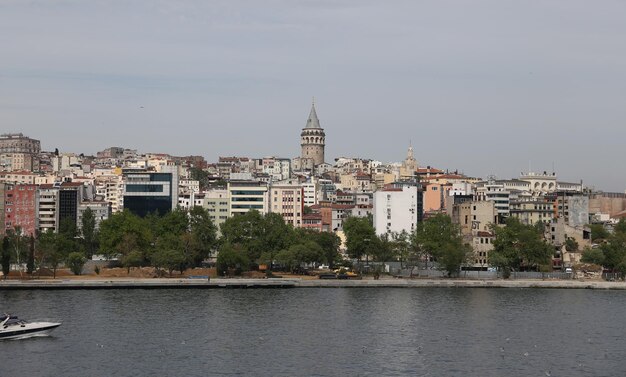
point(397, 208)
point(20, 208)
point(247, 195)
point(287, 199)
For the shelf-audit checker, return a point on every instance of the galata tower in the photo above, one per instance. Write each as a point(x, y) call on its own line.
point(312, 141)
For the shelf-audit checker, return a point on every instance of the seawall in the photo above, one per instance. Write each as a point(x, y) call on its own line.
point(183, 283)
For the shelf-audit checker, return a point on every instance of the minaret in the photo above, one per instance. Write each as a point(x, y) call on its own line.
point(312, 141)
point(410, 163)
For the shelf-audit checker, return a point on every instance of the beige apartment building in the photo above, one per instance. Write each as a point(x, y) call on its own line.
point(217, 203)
point(287, 199)
point(532, 211)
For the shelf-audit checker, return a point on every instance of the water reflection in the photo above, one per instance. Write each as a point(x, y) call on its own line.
point(324, 332)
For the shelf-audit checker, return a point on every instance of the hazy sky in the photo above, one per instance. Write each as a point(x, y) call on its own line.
point(485, 87)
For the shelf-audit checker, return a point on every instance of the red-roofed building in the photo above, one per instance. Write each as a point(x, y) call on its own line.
point(313, 221)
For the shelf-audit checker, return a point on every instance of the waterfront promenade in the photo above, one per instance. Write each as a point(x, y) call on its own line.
point(216, 283)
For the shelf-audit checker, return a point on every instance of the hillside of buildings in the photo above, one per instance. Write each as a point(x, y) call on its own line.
point(45, 193)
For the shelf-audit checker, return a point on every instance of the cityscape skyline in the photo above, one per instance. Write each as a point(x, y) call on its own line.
point(483, 88)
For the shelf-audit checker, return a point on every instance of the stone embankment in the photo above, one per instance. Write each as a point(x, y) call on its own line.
point(301, 283)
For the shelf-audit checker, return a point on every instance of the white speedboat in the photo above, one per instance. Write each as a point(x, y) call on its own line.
point(12, 327)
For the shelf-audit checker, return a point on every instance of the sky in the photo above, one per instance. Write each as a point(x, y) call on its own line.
point(484, 87)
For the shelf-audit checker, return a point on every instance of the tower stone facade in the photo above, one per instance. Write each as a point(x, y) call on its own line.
point(312, 141)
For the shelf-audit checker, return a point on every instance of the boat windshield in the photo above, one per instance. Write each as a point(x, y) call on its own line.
point(8, 320)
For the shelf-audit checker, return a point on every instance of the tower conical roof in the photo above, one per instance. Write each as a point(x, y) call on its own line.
point(313, 122)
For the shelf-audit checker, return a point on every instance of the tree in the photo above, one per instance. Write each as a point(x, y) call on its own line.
point(245, 230)
point(593, 256)
point(203, 234)
point(169, 259)
point(76, 260)
point(288, 259)
point(5, 256)
point(258, 234)
point(169, 253)
point(129, 252)
point(30, 262)
point(571, 244)
point(114, 230)
point(440, 238)
point(276, 235)
point(50, 250)
point(329, 243)
point(231, 257)
point(201, 176)
point(68, 229)
point(88, 232)
point(401, 245)
point(299, 254)
point(175, 222)
point(598, 232)
point(359, 235)
point(132, 259)
point(614, 249)
point(18, 246)
point(519, 247)
point(382, 248)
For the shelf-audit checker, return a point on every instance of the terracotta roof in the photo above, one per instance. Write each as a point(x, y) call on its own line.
point(428, 170)
point(484, 234)
point(451, 176)
point(342, 206)
point(18, 172)
point(312, 216)
point(71, 184)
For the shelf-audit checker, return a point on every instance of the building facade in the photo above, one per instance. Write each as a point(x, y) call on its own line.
point(287, 199)
point(20, 208)
point(247, 195)
point(397, 209)
point(100, 208)
point(217, 203)
point(147, 192)
point(19, 152)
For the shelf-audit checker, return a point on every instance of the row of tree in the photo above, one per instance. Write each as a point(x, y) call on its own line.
point(69, 246)
point(438, 240)
point(185, 238)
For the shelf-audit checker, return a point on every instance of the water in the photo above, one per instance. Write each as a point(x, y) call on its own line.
point(320, 332)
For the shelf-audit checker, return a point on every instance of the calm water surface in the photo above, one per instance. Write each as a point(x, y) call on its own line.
point(320, 332)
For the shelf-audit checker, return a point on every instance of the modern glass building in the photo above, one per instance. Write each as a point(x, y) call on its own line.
point(146, 192)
